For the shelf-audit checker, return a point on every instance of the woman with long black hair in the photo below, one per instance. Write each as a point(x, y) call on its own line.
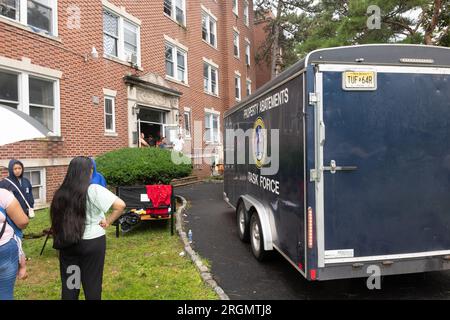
point(78, 224)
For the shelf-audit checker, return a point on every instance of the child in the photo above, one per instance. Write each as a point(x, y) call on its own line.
point(19, 186)
point(22, 190)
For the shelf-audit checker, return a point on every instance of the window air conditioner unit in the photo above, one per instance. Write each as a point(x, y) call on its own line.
point(133, 59)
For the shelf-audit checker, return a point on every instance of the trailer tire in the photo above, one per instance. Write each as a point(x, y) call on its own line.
point(243, 225)
point(257, 239)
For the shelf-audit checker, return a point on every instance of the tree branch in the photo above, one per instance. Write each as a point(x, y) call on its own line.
point(428, 39)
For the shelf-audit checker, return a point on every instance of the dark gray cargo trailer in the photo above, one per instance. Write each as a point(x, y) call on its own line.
point(342, 162)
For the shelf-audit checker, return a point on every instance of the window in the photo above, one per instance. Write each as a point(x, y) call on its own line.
point(130, 39)
point(235, 7)
point(247, 53)
point(237, 87)
point(187, 123)
point(249, 87)
point(152, 115)
point(246, 16)
point(212, 127)
point(121, 38)
point(42, 101)
point(176, 63)
point(110, 33)
point(37, 180)
point(37, 100)
point(10, 9)
point(9, 89)
point(170, 63)
point(37, 96)
point(39, 14)
point(110, 121)
point(176, 9)
point(181, 66)
point(179, 11)
point(209, 29)
point(210, 77)
point(168, 7)
point(236, 44)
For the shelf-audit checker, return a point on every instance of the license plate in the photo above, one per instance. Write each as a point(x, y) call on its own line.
point(359, 80)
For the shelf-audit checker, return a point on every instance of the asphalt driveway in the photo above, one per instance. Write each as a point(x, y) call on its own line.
point(215, 237)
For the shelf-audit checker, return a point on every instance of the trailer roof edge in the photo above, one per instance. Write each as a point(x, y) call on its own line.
point(368, 54)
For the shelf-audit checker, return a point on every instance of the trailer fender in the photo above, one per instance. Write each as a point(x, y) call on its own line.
point(250, 203)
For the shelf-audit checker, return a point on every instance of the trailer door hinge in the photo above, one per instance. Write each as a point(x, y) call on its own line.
point(313, 98)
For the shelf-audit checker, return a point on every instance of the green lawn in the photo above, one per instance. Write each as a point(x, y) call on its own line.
point(143, 264)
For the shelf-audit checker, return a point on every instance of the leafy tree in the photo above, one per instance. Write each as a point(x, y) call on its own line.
point(308, 25)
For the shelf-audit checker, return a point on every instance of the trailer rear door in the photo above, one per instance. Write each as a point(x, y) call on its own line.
point(384, 146)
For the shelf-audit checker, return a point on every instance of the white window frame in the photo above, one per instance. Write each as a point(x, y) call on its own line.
point(211, 67)
point(246, 13)
point(123, 17)
point(30, 104)
point(209, 18)
point(42, 187)
point(248, 87)
point(237, 76)
point(24, 94)
point(22, 17)
point(138, 45)
point(248, 57)
point(173, 13)
point(176, 47)
point(113, 99)
point(236, 7)
point(236, 36)
point(18, 88)
point(187, 113)
point(211, 114)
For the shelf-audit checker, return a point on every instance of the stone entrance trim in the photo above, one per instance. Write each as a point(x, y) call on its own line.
point(150, 91)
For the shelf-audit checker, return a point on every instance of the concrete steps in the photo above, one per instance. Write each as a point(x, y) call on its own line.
point(185, 181)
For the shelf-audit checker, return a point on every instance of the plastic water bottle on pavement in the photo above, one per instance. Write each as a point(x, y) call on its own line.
point(190, 236)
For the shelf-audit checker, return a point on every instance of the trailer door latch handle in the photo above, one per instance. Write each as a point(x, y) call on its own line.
point(333, 167)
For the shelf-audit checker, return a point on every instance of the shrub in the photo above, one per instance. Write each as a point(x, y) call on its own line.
point(133, 166)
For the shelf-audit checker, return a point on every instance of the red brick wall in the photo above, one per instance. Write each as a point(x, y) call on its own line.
point(55, 176)
point(82, 125)
point(262, 69)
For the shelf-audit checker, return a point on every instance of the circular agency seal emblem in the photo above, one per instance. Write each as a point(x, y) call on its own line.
point(259, 142)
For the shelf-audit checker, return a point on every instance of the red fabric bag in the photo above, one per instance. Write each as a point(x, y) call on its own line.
point(160, 195)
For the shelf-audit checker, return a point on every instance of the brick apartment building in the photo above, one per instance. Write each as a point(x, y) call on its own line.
point(98, 72)
point(263, 70)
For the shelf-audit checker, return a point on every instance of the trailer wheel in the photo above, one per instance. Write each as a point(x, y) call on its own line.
point(257, 239)
point(243, 225)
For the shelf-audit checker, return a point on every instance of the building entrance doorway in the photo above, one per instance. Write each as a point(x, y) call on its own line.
point(150, 123)
point(153, 124)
